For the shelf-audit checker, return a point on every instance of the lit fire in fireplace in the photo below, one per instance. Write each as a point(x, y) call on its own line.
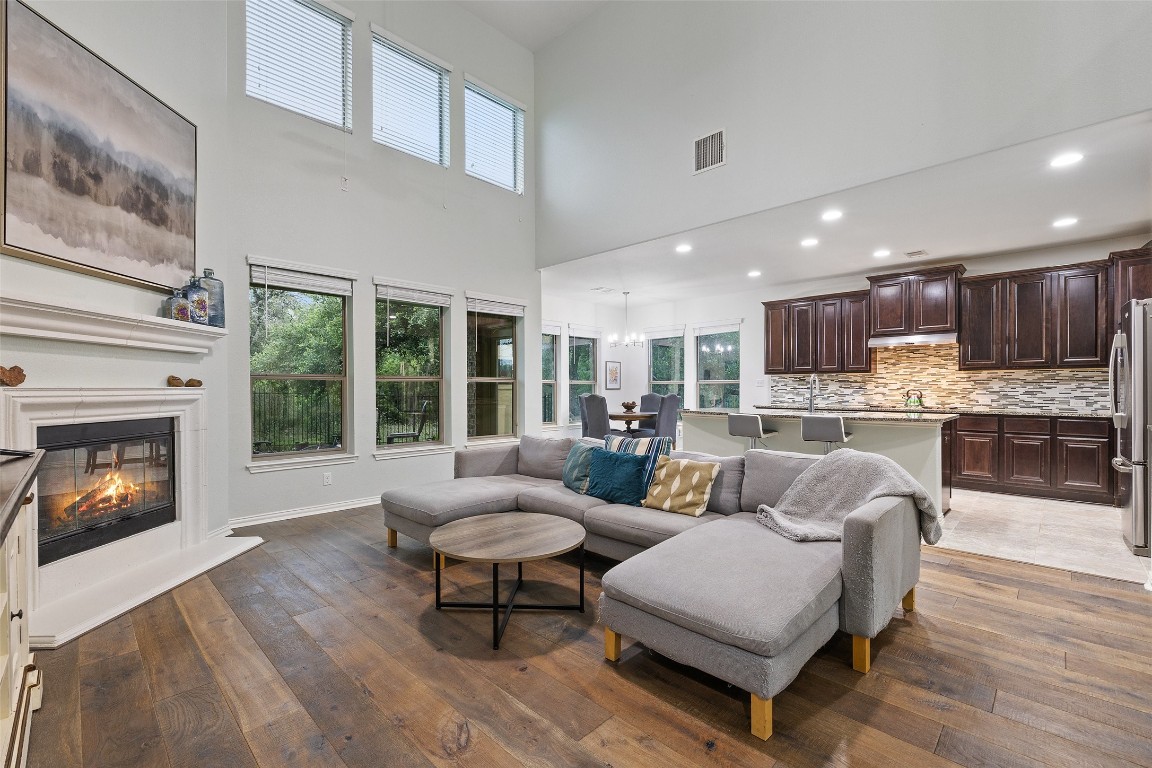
point(110, 495)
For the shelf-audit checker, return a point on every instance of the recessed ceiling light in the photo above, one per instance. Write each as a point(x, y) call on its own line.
point(882, 253)
point(683, 248)
point(808, 242)
point(1068, 158)
point(831, 214)
point(1067, 221)
point(754, 273)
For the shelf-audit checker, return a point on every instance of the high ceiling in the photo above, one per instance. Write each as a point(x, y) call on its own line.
point(531, 23)
point(999, 202)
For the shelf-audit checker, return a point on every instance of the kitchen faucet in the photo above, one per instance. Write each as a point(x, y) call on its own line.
point(813, 389)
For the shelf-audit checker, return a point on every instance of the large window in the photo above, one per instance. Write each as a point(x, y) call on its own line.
point(581, 373)
point(491, 375)
point(300, 58)
point(409, 101)
point(297, 358)
point(548, 345)
point(493, 139)
point(409, 372)
point(718, 369)
point(666, 366)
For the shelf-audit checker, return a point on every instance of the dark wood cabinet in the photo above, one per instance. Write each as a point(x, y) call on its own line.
point(828, 334)
point(1053, 318)
point(981, 324)
point(1063, 458)
point(915, 303)
point(1131, 279)
point(854, 313)
point(1080, 316)
point(775, 337)
point(802, 336)
point(1028, 300)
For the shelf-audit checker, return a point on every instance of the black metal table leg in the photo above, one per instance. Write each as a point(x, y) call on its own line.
point(581, 578)
point(496, 606)
point(436, 557)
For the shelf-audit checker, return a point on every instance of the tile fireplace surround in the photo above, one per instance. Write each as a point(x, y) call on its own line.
point(78, 593)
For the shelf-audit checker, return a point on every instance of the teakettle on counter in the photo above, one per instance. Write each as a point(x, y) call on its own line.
point(914, 398)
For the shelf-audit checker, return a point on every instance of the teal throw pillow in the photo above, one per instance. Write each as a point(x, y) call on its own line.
point(617, 477)
point(651, 448)
point(576, 467)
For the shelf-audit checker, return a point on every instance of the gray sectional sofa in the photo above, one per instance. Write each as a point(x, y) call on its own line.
point(720, 592)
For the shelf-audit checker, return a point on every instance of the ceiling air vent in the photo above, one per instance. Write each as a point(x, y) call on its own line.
point(709, 152)
point(915, 254)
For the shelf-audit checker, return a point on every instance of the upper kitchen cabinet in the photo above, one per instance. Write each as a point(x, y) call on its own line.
point(1131, 279)
point(915, 303)
point(1054, 318)
point(826, 334)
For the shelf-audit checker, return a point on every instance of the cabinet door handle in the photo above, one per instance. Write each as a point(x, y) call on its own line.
point(28, 499)
point(18, 615)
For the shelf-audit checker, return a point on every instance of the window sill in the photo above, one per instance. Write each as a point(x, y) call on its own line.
point(383, 454)
point(484, 442)
point(301, 462)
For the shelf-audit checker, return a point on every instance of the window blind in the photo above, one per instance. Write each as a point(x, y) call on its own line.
point(717, 326)
point(495, 305)
point(409, 102)
point(298, 277)
point(493, 139)
point(550, 328)
point(584, 331)
point(300, 57)
point(413, 293)
point(664, 332)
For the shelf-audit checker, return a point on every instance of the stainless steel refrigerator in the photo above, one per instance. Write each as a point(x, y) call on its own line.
point(1129, 377)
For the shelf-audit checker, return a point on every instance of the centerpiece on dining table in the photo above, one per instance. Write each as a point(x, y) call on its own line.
point(629, 406)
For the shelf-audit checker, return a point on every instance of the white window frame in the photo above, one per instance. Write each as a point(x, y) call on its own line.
point(384, 43)
point(554, 333)
point(672, 332)
point(708, 329)
point(595, 344)
point(493, 97)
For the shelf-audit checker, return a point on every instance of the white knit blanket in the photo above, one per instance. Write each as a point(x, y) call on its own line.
point(814, 507)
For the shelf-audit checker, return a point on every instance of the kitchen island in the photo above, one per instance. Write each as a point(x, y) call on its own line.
point(914, 439)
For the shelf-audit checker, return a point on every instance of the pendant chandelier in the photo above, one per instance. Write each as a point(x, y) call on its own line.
point(630, 339)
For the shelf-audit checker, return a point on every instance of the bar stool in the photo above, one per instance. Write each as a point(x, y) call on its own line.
point(748, 425)
point(823, 428)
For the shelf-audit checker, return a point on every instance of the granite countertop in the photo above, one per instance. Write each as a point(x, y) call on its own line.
point(16, 476)
point(976, 411)
point(920, 418)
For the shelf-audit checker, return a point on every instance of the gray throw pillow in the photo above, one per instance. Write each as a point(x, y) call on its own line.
point(541, 457)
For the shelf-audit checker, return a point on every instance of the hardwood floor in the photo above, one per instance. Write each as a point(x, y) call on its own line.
point(322, 648)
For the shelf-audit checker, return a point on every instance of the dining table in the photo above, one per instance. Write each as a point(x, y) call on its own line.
point(630, 416)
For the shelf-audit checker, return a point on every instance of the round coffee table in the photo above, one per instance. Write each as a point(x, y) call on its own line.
point(507, 537)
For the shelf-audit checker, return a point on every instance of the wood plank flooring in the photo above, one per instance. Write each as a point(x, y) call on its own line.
point(322, 648)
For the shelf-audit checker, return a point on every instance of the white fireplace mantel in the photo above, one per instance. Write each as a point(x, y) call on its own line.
point(78, 593)
point(27, 317)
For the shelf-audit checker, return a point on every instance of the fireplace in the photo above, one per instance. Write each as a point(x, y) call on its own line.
point(103, 481)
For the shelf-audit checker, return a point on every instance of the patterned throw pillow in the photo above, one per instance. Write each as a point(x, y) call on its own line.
point(652, 447)
point(617, 477)
point(682, 486)
point(576, 467)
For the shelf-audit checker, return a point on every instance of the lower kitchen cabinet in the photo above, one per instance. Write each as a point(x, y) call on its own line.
point(1063, 458)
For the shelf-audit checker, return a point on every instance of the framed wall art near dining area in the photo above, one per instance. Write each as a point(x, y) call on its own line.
point(611, 374)
point(99, 174)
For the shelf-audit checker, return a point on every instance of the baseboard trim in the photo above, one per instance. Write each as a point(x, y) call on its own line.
point(288, 514)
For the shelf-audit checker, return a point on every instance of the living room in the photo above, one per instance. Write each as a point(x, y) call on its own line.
point(865, 92)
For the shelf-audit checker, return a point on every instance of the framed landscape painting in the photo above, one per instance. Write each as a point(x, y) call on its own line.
point(99, 175)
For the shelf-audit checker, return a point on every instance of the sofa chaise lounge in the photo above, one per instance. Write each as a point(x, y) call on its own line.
point(719, 592)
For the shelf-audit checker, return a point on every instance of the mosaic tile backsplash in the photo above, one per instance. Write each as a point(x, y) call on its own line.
point(933, 369)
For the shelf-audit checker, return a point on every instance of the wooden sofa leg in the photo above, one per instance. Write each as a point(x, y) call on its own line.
point(861, 653)
point(611, 645)
point(909, 601)
point(761, 717)
point(392, 538)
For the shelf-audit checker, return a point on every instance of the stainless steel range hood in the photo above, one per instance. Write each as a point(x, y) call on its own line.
point(913, 340)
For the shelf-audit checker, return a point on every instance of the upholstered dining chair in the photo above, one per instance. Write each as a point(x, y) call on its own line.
point(594, 420)
point(665, 420)
point(649, 403)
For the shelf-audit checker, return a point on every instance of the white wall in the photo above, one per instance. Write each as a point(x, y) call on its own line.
point(814, 98)
point(269, 184)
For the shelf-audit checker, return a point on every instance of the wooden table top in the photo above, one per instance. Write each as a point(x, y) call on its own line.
point(634, 416)
point(507, 537)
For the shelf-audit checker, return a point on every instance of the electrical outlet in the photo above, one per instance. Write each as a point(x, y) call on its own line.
point(327, 478)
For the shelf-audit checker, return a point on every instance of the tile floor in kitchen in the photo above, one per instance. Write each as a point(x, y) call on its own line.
point(1061, 534)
